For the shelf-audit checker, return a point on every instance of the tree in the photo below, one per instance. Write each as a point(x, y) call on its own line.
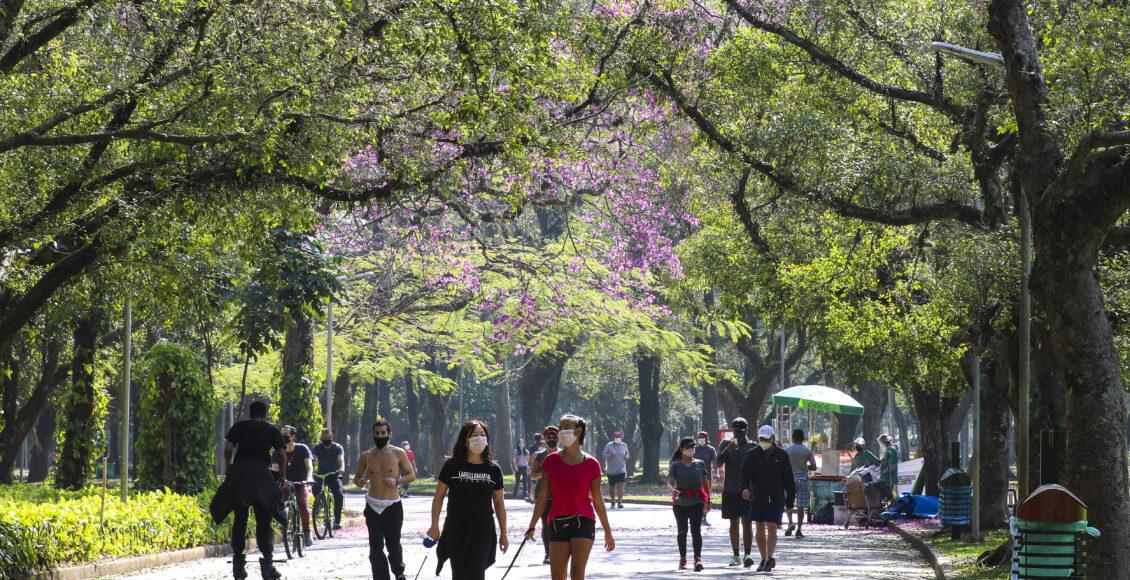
point(83, 408)
point(177, 415)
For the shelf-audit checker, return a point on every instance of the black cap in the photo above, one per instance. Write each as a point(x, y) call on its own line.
point(739, 423)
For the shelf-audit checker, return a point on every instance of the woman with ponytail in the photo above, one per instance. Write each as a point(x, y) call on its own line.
point(689, 480)
point(474, 482)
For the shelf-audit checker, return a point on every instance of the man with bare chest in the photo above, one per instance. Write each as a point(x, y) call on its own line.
point(383, 468)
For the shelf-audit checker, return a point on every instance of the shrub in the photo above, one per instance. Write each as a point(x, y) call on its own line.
point(42, 530)
point(177, 414)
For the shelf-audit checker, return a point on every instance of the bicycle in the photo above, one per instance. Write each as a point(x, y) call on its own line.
point(292, 529)
point(323, 510)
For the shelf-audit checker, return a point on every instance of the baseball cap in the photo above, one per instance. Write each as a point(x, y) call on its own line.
point(739, 423)
point(859, 441)
point(550, 429)
point(704, 434)
point(885, 438)
point(765, 432)
point(617, 434)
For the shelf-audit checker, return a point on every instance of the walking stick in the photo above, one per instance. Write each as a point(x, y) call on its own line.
point(516, 554)
point(428, 543)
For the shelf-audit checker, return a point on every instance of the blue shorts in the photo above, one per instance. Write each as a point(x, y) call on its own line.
point(768, 513)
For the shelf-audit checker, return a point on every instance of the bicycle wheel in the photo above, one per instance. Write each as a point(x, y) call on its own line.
point(286, 531)
point(321, 530)
point(328, 501)
point(296, 532)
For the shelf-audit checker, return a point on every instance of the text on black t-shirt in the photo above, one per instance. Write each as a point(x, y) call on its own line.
point(470, 487)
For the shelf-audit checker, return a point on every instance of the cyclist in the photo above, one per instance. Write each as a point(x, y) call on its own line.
point(248, 483)
point(300, 472)
point(331, 463)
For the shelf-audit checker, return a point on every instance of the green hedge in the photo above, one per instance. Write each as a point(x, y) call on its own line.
point(42, 528)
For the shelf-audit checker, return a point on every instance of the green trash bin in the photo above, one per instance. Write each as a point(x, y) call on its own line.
point(1050, 535)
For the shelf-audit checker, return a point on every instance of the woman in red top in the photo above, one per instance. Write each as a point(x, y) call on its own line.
point(572, 478)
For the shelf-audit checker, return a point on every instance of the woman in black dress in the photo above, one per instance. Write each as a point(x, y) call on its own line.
point(473, 482)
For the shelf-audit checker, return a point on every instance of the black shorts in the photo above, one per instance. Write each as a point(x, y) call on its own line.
point(565, 528)
point(733, 506)
point(614, 478)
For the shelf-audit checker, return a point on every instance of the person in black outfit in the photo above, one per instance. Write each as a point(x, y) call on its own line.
point(249, 484)
point(331, 461)
point(472, 482)
point(731, 455)
point(767, 483)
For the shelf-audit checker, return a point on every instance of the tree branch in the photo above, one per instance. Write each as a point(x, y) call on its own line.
point(33, 42)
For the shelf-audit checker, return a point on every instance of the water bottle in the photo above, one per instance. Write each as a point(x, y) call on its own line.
point(428, 542)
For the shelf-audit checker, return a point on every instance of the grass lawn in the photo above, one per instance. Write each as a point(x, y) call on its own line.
point(959, 557)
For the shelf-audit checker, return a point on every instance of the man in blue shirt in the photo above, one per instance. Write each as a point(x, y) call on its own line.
point(331, 460)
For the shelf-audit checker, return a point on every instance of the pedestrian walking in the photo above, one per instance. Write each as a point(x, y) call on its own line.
point(249, 485)
point(802, 461)
point(731, 455)
point(382, 468)
point(472, 482)
point(888, 464)
point(331, 463)
point(549, 444)
point(689, 480)
point(767, 483)
point(572, 477)
point(706, 453)
point(616, 467)
point(411, 459)
point(520, 465)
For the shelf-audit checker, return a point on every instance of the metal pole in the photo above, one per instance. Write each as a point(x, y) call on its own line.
point(891, 413)
point(462, 419)
point(1022, 463)
point(975, 467)
point(782, 357)
point(123, 436)
point(329, 364)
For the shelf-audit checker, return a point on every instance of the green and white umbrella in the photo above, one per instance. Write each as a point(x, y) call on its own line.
point(818, 398)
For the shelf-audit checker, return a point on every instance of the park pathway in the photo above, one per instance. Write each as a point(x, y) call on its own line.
point(645, 549)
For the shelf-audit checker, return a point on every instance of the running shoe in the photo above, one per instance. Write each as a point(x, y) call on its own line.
point(761, 567)
point(770, 563)
point(545, 562)
point(704, 522)
point(682, 563)
point(621, 505)
point(698, 564)
point(798, 534)
point(789, 531)
point(748, 560)
point(736, 560)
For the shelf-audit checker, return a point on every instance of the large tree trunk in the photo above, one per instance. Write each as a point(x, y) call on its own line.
point(1067, 287)
point(43, 443)
point(651, 429)
point(1048, 400)
point(873, 396)
point(342, 399)
point(412, 409)
point(709, 386)
point(933, 413)
point(298, 396)
point(904, 433)
point(20, 420)
point(539, 382)
point(384, 402)
point(993, 461)
point(502, 437)
point(438, 437)
point(368, 415)
point(79, 422)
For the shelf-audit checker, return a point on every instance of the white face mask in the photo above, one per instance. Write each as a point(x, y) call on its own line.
point(477, 444)
point(688, 452)
point(617, 440)
point(566, 437)
point(764, 445)
point(701, 441)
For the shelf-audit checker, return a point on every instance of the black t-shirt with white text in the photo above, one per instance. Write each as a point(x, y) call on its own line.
point(255, 439)
point(470, 487)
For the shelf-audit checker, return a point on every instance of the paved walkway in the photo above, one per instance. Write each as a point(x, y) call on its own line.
point(645, 549)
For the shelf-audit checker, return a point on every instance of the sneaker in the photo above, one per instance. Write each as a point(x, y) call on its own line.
point(760, 567)
point(705, 523)
point(545, 562)
point(621, 505)
point(337, 526)
point(698, 564)
point(748, 561)
point(789, 531)
point(307, 541)
point(736, 560)
point(798, 534)
point(770, 563)
point(682, 563)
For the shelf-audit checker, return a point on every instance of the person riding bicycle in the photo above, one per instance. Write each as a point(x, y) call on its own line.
point(299, 471)
point(331, 463)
